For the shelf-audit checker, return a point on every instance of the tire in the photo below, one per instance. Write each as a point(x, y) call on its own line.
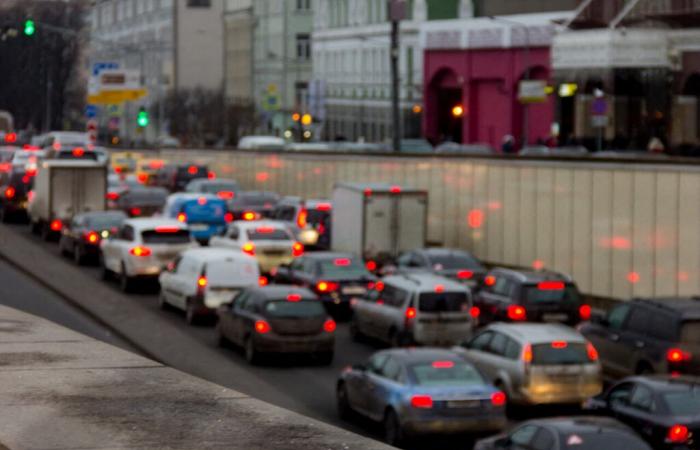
point(644, 369)
point(345, 411)
point(397, 339)
point(78, 255)
point(325, 358)
point(393, 433)
point(251, 354)
point(191, 316)
point(62, 248)
point(221, 340)
point(34, 227)
point(45, 233)
point(162, 302)
point(355, 333)
point(126, 283)
point(105, 273)
point(4, 217)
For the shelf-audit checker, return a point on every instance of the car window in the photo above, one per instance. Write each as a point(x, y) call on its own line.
point(617, 316)
point(433, 302)
point(309, 266)
point(285, 213)
point(269, 234)
point(126, 233)
point(233, 233)
point(502, 287)
point(498, 344)
point(454, 261)
point(241, 301)
point(544, 440)
point(298, 264)
point(523, 436)
point(159, 237)
point(564, 353)
point(664, 327)
point(513, 350)
point(251, 305)
point(404, 260)
point(620, 395)
point(684, 403)
point(690, 332)
point(642, 399)
point(376, 362)
point(416, 261)
point(481, 342)
point(393, 296)
point(639, 321)
point(391, 370)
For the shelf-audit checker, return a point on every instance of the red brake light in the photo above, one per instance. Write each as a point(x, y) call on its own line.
point(410, 312)
point(202, 281)
point(228, 217)
point(439, 288)
point(249, 215)
point(498, 398)
point(182, 217)
point(249, 248)
point(166, 229)
point(475, 312)
point(551, 286)
point(326, 286)
point(490, 280)
point(302, 218)
point(114, 196)
point(10, 192)
point(422, 401)
point(368, 192)
point(264, 230)
point(140, 251)
point(142, 177)
point(92, 237)
point(678, 434)
point(226, 195)
point(676, 355)
point(584, 312)
point(527, 353)
point(559, 344)
point(11, 138)
point(591, 352)
point(379, 286)
point(443, 364)
point(56, 225)
point(135, 211)
point(293, 298)
point(263, 281)
point(211, 175)
point(202, 201)
point(78, 152)
point(342, 262)
point(516, 313)
point(118, 169)
point(192, 170)
point(297, 249)
point(324, 207)
point(262, 327)
point(395, 189)
point(329, 326)
point(465, 274)
point(371, 266)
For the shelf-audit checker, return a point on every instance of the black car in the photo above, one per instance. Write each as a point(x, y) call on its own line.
point(532, 296)
point(335, 277)
point(277, 319)
point(82, 236)
point(459, 265)
point(253, 205)
point(575, 433)
point(664, 409)
point(646, 336)
point(176, 177)
point(142, 202)
point(14, 196)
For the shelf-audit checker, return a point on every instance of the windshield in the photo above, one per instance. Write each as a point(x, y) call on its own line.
point(145, 197)
point(342, 268)
point(285, 309)
point(551, 294)
point(272, 234)
point(684, 403)
point(454, 261)
point(106, 222)
point(558, 354)
point(215, 188)
point(155, 237)
point(258, 199)
point(445, 373)
point(211, 209)
point(443, 302)
point(690, 332)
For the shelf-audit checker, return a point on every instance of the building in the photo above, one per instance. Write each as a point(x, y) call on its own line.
point(281, 61)
point(351, 41)
point(168, 41)
point(238, 51)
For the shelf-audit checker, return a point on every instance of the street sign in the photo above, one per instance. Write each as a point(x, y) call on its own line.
point(532, 91)
point(90, 111)
point(599, 121)
point(113, 97)
point(92, 130)
point(100, 66)
point(599, 107)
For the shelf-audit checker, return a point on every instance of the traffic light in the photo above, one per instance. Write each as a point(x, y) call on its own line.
point(306, 119)
point(296, 117)
point(29, 27)
point(142, 119)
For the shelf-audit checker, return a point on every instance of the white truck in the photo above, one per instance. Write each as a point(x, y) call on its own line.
point(378, 221)
point(63, 189)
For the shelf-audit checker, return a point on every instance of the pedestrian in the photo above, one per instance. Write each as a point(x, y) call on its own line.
point(508, 145)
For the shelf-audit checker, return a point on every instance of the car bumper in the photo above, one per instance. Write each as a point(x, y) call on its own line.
point(267, 263)
point(451, 425)
point(553, 394)
point(295, 344)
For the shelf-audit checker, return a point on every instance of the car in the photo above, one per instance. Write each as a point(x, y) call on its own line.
point(75, 153)
point(141, 201)
point(14, 194)
point(534, 296)
point(125, 162)
point(566, 433)
point(645, 336)
point(205, 214)
point(270, 242)
point(261, 143)
point(81, 237)
point(421, 391)
point(60, 140)
point(223, 188)
point(200, 280)
point(176, 177)
point(309, 220)
point(142, 248)
point(166, 141)
point(118, 185)
point(277, 319)
point(147, 170)
point(664, 409)
point(27, 160)
point(456, 264)
point(335, 277)
point(454, 148)
point(417, 308)
point(536, 364)
point(253, 205)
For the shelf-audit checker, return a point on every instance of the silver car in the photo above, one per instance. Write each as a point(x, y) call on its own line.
point(536, 363)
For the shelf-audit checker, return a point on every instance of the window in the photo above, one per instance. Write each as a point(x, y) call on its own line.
point(643, 399)
point(126, 233)
point(480, 342)
point(303, 5)
point(620, 395)
point(298, 264)
point(304, 46)
point(392, 370)
point(233, 233)
point(393, 296)
point(512, 350)
point(376, 363)
point(198, 3)
point(639, 320)
point(523, 435)
point(498, 344)
point(617, 317)
point(663, 327)
point(502, 287)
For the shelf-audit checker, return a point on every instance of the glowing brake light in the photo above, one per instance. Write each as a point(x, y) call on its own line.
point(475, 312)
point(559, 344)
point(264, 230)
point(443, 364)
point(329, 326)
point(465, 274)
point(591, 352)
point(678, 434)
point(10, 192)
point(395, 189)
point(182, 217)
point(140, 251)
point(551, 286)
point(78, 152)
point(516, 313)
point(293, 298)
point(676, 355)
point(263, 281)
point(113, 196)
point(326, 286)
point(368, 192)
point(584, 312)
point(297, 249)
point(498, 398)
point(228, 217)
point(527, 354)
point(324, 207)
point(439, 288)
point(371, 265)
point(142, 177)
point(249, 248)
point(226, 195)
point(202, 282)
point(135, 211)
point(262, 327)
point(11, 138)
point(379, 286)
point(490, 280)
point(56, 225)
point(342, 262)
point(167, 229)
point(410, 313)
point(192, 170)
point(302, 218)
point(249, 215)
point(202, 201)
point(422, 401)
point(211, 175)
point(92, 237)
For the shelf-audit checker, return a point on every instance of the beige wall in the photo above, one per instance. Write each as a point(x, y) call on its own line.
point(200, 40)
point(239, 56)
point(621, 230)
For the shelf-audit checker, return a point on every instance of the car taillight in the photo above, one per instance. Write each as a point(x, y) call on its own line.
point(249, 248)
point(297, 249)
point(329, 326)
point(422, 401)
point(302, 218)
point(410, 313)
point(591, 352)
point(475, 312)
point(135, 211)
point(249, 215)
point(228, 217)
point(56, 225)
point(559, 344)
point(262, 327)
point(78, 152)
point(10, 192)
point(490, 280)
point(263, 281)
point(371, 266)
point(498, 398)
point(678, 434)
point(584, 312)
point(326, 286)
point(182, 217)
point(92, 237)
point(118, 169)
point(226, 195)
point(211, 175)
point(142, 177)
point(516, 313)
point(465, 274)
point(113, 196)
point(676, 355)
point(551, 286)
point(202, 281)
point(527, 354)
point(140, 251)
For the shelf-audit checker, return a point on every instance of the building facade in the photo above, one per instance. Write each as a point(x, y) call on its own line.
point(238, 51)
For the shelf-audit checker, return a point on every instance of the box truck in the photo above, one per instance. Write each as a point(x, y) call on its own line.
point(63, 189)
point(378, 221)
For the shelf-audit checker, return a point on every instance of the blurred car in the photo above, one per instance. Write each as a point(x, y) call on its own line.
point(82, 236)
point(14, 194)
point(75, 153)
point(261, 143)
point(221, 187)
point(277, 319)
point(532, 296)
point(253, 205)
point(536, 363)
point(270, 242)
point(309, 220)
point(417, 308)
point(665, 410)
point(417, 146)
point(125, 162)
point(61, 140)
point(142, 248)
point(334, 277)
point(168, 142)
point(205, 214)
point(140, 201)
point(117, 185)
point(453, 148)
point(200, 280)
point(175, 177)
point(421, 391)
point(147, 170)
point(27, 160)
point(455, 264)
point(566, 433)
point(644, 336)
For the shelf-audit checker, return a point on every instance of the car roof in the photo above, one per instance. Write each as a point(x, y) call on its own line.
point(667, 382)
point(414, 355)
point(688, 307)
point(147, 223)
point(250, 225)
point(423, 282)
point(274, 292)
point(578, 424)
point(440, 251)
point(89, 215)
point(214, 181)
point(533, 276)
point(538, 333)
point(193, 196)
point(322, 256)
point(212, 254)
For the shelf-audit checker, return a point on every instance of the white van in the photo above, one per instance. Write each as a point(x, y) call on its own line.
point(202, 279)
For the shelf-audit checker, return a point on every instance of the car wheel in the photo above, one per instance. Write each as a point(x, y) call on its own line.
point(4, 217)
point(221, 339)
point(251, 354)
point(393, 434)
point(33, 227)
point(78, 255)
point(644, 369)
point(342, 402)
point(162, 302)
point(46, 234)
point(105, 273)
point(355, 333)
point(62, 248)
point(126, 283)
point(397, 339)
point(325, 358)
point(191, 316)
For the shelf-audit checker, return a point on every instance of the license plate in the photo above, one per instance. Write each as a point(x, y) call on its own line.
point(554, 317)
point(463, 403)
point(199, 227)
point(166, 256)
point(273, 252)
point(353, 290)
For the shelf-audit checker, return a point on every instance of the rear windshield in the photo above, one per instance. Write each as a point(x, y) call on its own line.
point(443, 302)
point(6, 156)
point(258, 199)
point(286, 309)
point(556, 355)
point(210, 209)
point(154, 237)
point(551, 294)
point(86, 156)
point(445, 373)
point(597, 441)
point(342, 268)
point(315, 217)
point(232, 272)
point(215, 188)
point(690, 332)
point(685, 403)
point(454, 261)
point(193, 171)
point(271, 235)
point(106, 222)
point(145, 197)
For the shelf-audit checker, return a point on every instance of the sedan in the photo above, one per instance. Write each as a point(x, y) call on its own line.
point(82, 236)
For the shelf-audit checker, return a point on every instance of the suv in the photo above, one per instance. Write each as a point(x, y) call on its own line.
point(416, 308)
point(518, 296)
point(645, 336)
point(451, 263)
point(309, 220)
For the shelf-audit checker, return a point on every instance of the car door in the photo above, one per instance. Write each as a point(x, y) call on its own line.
point(185, 282)
point(606, 337)
point(388, 309)
point(474, 350)
point(381, 385)
point(236, 322)
point(118, 247)
point(493, 299)
point(633, 341)
point(364, 309)
point(637, 409)
point(361, 388)
point(166, 280)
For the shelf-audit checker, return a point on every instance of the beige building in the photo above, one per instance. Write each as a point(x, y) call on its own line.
point(238, 51)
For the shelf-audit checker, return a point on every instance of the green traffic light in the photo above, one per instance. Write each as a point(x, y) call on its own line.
point(29, 27)
point(142, 119)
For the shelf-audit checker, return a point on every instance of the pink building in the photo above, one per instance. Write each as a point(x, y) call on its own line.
point(475, 67)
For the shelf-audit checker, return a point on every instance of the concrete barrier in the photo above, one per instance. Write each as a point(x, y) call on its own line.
point(621, 229)
point(62, 390)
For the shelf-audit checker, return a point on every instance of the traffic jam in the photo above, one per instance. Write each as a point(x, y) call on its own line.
point(460, 348)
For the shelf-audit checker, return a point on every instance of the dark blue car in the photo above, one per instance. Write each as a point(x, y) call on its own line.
point(205, 214)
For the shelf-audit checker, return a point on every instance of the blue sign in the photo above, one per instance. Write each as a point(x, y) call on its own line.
point(91, 111)
point(100, 66)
